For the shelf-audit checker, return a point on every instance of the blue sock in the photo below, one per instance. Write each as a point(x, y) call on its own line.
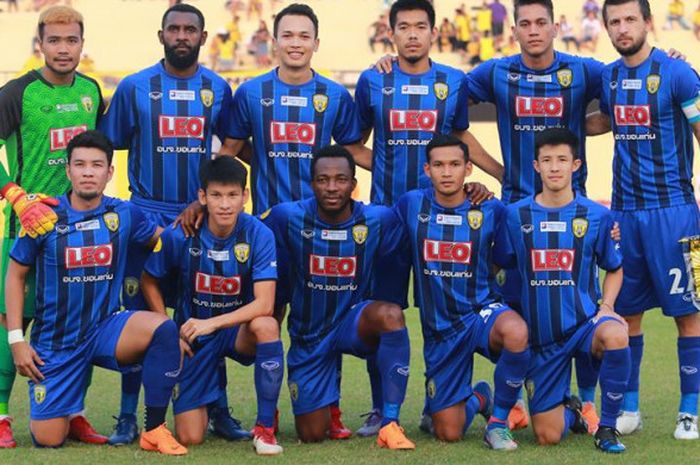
point(472, 407)
point(161, 367)
point(586, 378)
point(508, 381)
point(375, 382)
point(614, 373)
point(689, 370)
point(569, 419)
point(269, 371)
point(393, 358)
point(131, 386)
point(631, 402)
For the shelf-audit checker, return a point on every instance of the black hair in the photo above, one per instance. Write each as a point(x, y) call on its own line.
point(223, 170)
point(446, 140)
point(183, 8)
point(409, 5)
point(545, 3)
point(296, 9)
point(333, 151)
point(643, 6)
point(556, 136)
point(92, 139)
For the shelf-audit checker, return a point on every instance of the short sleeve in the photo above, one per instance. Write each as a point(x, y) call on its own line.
point(686, 90)
point(275, 220)
point(504, 255)
point(363, 103)
point(119, 123)
point(608, 252)
point(164, 256)
point(480, 85)
point(142, 228)
point(220, 128)
point(594, 81)
point(264, 255)
point(25, 250)
point(461, 117)
point(237, 121)
point(346, 129)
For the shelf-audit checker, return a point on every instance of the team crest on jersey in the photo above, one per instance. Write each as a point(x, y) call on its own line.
point(39, 393)
point(530, 388)
point(265, 214)
point(475, 218)
point(207, 97)
point(294, 391)
point(653, 83)
point(431, 389)
point(565, 77)
point(159, 246)
point(359, 233)
point(242, 252)
point(580, 227)
point(87, 103)
point(320, 102)
point(176, 391)
point(501, 277)
point(441, 90)
point(131, 286)
point(111, 220)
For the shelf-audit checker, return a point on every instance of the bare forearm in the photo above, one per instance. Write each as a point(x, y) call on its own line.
point(262, 306)
point(361, 154)
point(597, 123)
point(611, 287)
point(480, 157)
point(151, 293)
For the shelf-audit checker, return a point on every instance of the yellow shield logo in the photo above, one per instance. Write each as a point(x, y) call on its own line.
point(359, 233)
point(176, 391)
point(441, 90)
point(294, 391)
point(241, 251)
point(86, 101)
point(39, 393)
point(530, 388)
point(265, 214)
point(111, 220)
point(565, 77)
point(580, 226)
point(320, 102)
point(501, 277)
point(653, 83)
point(431, 389)
point(207, 97)
point(131, 286)
point(159, 246)
point(475, 218)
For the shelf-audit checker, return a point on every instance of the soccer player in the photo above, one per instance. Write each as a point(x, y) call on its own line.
point(79, 269)
point(39, 113)
point(328, 249)
point(225, 301)
point(451, 247)
point(166, 115)
point(653, 105)
point(558, 239)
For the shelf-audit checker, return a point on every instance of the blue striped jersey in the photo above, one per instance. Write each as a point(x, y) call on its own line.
point(529, 101)
point(325, 269)
point(557, 252)
point(215, 275)
point(405, 111)
point(451, 250)
point(653, 162)
point(167, 124)
point(80, 268)
point(288, 124)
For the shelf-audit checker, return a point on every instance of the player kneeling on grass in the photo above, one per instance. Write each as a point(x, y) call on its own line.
point(226, 292)
point(558, 239)
point(451, 242)
point(79, 269)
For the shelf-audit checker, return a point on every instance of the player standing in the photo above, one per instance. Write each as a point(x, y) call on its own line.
point(79, 269)
point(653, 105)
point(39, 114)
point(166, 116)
point(558, 239)
point(226, 288)
point(451, 243)
point(328, 249)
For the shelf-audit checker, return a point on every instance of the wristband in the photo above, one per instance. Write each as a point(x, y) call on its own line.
point(15, 336)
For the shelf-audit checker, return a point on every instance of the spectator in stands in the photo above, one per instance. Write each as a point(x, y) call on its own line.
point(499, 19)
point(260, 46)
point(473, 49)
point(566, 31)
point(221, 51)
point(463, 29)
point(487, 48)
point(696, 22)
point(447, 36)
point(591, 6)
point(484, 18)
point(234, 31)
point(255, 7)
point(379, 34)
point(590, 30)
point(12, 6)
point(676, 12)
point(511, 47)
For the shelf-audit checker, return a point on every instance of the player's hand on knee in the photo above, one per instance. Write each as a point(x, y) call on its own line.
point(477, 192)
point(26, 360)
point(615, 232)
point(385, 64)
point(605, 310)
point(190, 219)
point(193, 328)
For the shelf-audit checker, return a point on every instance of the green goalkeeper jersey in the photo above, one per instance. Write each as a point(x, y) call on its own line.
point(37, 120)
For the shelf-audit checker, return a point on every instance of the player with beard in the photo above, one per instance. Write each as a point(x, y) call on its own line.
point(39, 114)
point(653, 106)
point(166, 115)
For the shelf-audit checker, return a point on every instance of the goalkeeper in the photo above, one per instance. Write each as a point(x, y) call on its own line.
point(39, 113)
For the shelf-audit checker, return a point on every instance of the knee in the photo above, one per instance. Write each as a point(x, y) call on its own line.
point(688, 325)
point(447, 434)
point(548, 437)
point(311, 435)
point(190, 438)
point(48, 438)
point(616, 337)
point(265, 328)
point(392, 317)
point(512, 330)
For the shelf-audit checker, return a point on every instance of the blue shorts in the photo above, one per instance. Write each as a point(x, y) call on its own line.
point(312, 371)
point(198, 384)
point(549, 374)
point(449, 363)
point(656, 274)
point(66, 372)
point(163, 215)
